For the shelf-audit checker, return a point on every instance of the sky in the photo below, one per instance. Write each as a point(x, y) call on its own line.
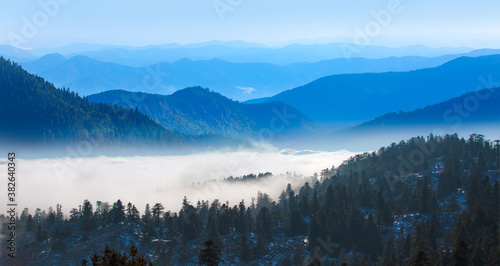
point(52, 23)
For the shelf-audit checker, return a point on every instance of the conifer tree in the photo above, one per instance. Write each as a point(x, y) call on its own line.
point(297, 225)
point(287, 260)
point(259, 249)
point(315, 232)
point(264, 224)
point(461, 254)
point(421, 259)
point(298, 256)
point(210, 254)
point(245, 249)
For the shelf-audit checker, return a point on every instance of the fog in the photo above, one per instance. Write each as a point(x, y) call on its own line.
point(43, 183)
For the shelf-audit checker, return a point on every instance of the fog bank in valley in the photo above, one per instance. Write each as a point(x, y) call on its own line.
point(43, 183)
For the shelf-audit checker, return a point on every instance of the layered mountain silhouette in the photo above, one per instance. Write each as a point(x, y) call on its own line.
point(33, 113)
point(476, 107)
point(242, 52)
point(350, 99)
point(477, 111)
point(239, 81)
point(198, 110)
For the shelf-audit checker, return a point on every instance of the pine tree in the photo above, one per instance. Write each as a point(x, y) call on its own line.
point(184, 252)
point(305, 206)
point(264, 224)
point(449, 178)
point(298, 256)
point(421, 259)
point(315, 232)
point(287, 260)
point(477, 258)
point(374, 257)
point(315, 202)
point(384, 216)
point(147, 214)
point(373, 239)
point(424, 198)
point(210, 254)
point(242, 222)
point(407, 247)
point(41, 235)
point(30, 224)
point(314, 262)
point(259, 249)
point(461, 254)
point(87, 210)
point(157, 212)
point(389, 253)
point(59, 245)
point(213, 232)
point(297, 225)
point(112, 257)
point(132, 212)
point(118, 212)
point(245, 249)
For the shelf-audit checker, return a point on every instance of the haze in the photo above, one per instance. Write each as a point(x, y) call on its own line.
point(43, 183)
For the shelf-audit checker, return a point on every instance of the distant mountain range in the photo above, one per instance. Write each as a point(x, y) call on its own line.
point(473, 112)
point(238, 81)
point(197, 110)
point(478, 107)
point(293, 53)
point(343, 100)
point(34, 114)
point(231, 51)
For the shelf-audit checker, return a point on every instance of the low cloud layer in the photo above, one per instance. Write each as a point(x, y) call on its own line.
point(46, 182)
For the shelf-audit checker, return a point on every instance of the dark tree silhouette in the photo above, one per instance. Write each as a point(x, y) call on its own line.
point(210, 254)
point(421, 259)
point(111, 257)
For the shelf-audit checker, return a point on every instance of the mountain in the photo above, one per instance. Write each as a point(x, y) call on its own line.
point(348, 99)
point(476, 107)
point(196, 110)
point(231, 51)
point(34, 114)
point(80, 47)
point(240, 53)
point(86, 75)
point(476, 111)
point(47, 61)
point(14, 53)
point(239, 81)
point(470, 112)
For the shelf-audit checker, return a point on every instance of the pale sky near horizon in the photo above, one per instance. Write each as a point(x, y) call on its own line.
point(457, 23)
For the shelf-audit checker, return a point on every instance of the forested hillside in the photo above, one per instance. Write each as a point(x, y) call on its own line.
point(196, 110)
point(472, 108)
point(34, 113)
point(425, 201)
